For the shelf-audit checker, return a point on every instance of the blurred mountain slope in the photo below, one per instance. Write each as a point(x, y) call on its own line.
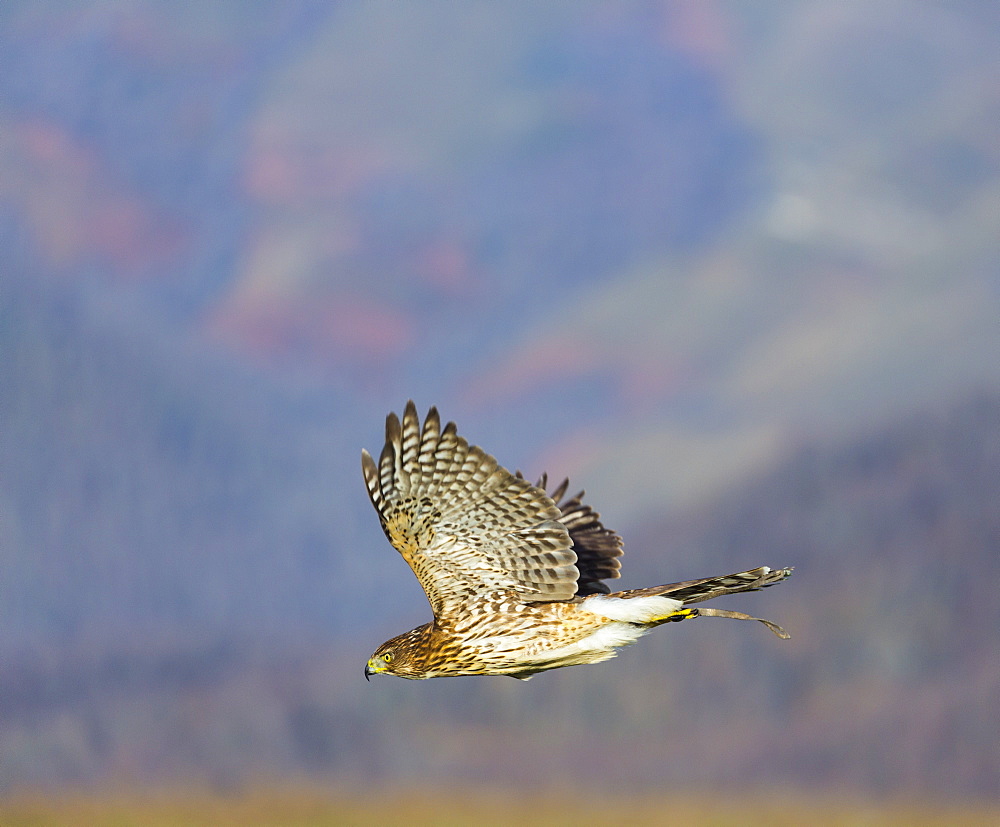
point(860, 282)
point(146, 490)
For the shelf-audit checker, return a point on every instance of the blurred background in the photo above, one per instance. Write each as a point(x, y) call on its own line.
point(732, 267)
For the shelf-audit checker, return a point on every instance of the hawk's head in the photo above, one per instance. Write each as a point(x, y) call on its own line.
point(402, 656)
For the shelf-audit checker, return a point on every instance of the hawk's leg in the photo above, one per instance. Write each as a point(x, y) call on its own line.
point(774, 627)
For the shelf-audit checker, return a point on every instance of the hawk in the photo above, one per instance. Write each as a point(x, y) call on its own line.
point(514, 575)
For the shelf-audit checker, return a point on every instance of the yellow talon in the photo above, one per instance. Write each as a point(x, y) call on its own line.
point(680, 614)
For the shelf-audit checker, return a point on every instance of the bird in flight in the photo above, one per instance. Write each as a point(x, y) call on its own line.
point(514, 575)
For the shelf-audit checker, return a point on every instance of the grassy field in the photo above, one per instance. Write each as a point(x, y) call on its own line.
point(309, 807)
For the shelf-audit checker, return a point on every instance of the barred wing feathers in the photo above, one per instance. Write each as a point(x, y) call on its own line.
point(463, 523)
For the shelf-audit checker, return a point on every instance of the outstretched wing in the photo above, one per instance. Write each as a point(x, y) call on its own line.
point(597, 548)
point(464, 524)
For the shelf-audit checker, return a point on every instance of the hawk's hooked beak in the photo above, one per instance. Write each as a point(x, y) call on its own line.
point(369, 671)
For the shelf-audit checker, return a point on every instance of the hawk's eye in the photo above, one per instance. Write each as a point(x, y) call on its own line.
point(387, 657)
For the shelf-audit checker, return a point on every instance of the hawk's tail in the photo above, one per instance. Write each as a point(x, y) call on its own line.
point(696, 591)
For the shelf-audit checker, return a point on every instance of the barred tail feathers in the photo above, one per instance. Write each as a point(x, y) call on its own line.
point(696, 591)
point(707, 588)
